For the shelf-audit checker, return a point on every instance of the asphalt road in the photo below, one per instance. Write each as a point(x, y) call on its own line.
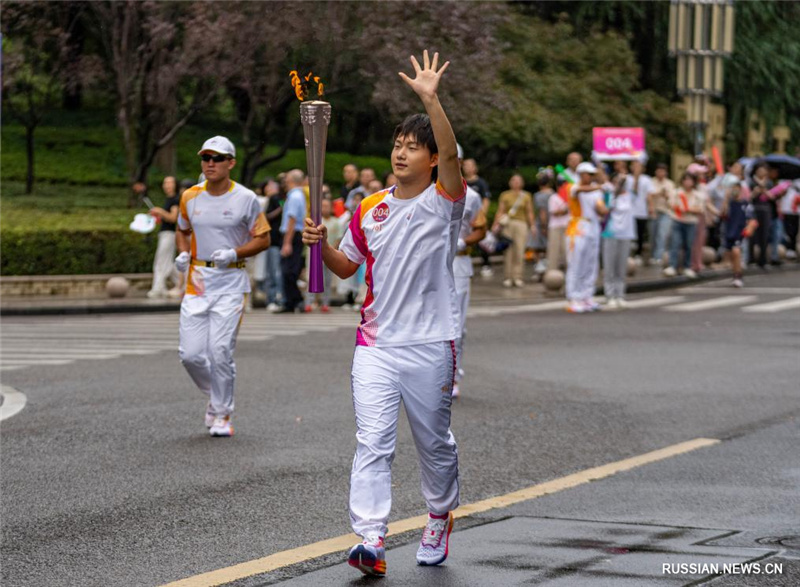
point(109, 477)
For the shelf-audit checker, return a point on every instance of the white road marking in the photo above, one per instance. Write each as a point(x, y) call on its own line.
point(778, 306)
point(654, 302)
point(721, 302)
point(13, 402)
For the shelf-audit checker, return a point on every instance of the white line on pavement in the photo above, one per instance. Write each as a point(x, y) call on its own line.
point(13, 402)
point(778, 306)
point(721, 302)
point(656, 301)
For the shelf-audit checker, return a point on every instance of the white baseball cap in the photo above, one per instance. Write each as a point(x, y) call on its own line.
point(586, 167)
point(460, 151)
point(219, 145)
point(143, 223)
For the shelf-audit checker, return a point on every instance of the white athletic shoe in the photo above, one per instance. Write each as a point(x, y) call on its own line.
point(433, 548)
point(273, 307)
point(456, 393)
point(737, 283)
point(508, 283)
point(221, 426)
point(487, 271)
point(155, 294)
point(519, 283)
point(591, 305)
point(669, 272)
point(612, 304)
point(369, 557)
point(690, 274)
point(576, 307)
point(622, 303)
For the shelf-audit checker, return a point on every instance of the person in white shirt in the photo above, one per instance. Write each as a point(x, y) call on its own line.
point(583, 240)
point(617, 236)
point(639, 185)
point(220, 224)
point(405, 350)
point(471, 232)
point(662, 192)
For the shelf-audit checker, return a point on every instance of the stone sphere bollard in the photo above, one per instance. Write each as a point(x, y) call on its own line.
point(631, 267)
point(709, 256)
point(554, 279)
point(117, 287)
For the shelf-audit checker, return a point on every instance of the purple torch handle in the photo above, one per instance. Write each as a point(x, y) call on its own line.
point(315, 116)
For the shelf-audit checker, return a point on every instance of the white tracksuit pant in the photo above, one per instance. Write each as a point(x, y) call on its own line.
point(583, 262)
point(209, 325)
point(462, 291)
point(422, 377)
point(164, 262)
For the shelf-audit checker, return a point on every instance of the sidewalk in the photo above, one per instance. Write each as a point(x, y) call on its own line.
point(485, 291)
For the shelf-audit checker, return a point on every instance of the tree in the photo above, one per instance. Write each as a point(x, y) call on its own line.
point(166, 61)
point(560, 85)
point(35, 54)
point(354, 48)
point(763, 73)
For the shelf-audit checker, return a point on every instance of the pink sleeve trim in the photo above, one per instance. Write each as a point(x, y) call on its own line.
point(357, 232)
point(441, 191)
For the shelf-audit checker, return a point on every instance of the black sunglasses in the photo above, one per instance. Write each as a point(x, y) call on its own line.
point(215, 158)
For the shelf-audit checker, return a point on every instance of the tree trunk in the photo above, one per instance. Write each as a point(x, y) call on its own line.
point(29, 151)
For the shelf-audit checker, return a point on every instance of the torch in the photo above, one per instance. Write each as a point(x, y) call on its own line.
point(315, 116)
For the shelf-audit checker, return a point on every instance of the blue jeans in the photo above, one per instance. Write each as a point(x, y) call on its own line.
point(775, 238)
point(662, 225)
point(682, 239)
point(274, 276)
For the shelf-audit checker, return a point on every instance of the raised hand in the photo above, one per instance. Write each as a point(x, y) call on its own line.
point(427, 77)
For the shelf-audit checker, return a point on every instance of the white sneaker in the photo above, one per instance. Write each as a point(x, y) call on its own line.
point(519, 283)
point(612, 304)
point(591, 305)
point(508, 283)
point(369, 557)
point(273, 307)
point(622, 303)
point(221, 427)
point(638, 260)
point(456, 393)
point(433, 548)
point(690, 274)
point(487, 271)
point(174, 293)
point(669, 272)
point(576, 307)
point(155, 294)
point(737, 283)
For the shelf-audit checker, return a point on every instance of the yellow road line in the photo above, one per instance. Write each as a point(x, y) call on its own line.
point(340, 543)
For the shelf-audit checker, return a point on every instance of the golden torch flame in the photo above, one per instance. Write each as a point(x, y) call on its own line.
point(300, 84)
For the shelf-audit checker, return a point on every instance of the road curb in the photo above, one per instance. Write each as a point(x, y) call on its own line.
point(148, 306)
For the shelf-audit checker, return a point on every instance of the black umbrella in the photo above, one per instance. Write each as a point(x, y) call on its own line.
point(788, 167)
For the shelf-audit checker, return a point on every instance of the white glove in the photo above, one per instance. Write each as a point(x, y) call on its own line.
point(182, 261)
point(223, 257)
point(462, 245)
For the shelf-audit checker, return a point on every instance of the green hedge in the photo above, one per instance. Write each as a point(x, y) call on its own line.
point(59, 252)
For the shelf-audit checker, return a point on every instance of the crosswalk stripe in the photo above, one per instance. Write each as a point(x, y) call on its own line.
point(654, 302)
point(721, 302)
point(778, 306)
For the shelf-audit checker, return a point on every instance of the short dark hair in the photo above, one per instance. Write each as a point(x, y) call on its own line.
point(662, 166)
point(419, 127)
point(691, 176)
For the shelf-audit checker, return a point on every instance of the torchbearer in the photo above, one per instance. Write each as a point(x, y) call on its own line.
point(220, 223)
point(406, 235)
